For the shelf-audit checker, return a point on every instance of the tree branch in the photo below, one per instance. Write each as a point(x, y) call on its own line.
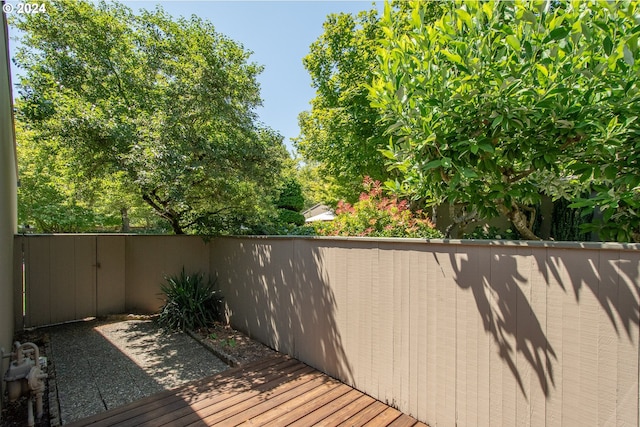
point(521, 175)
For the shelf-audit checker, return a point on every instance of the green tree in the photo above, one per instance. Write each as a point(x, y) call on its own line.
point(342, 134)
point(290, 203)
point(498, 102)
point(168, 103)
point(54, 196)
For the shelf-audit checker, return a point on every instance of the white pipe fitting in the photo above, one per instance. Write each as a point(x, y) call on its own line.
point(24, 377)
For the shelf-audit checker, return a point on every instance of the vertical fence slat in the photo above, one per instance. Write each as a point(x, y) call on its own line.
point(446, 337)
point(486, 341)
point(110, 275)
point(433, 279)
point(628, 311)
point(542, 381)
point(607, 344)
point(588, 339)
point(469, 328)
point(400, 338)
point(419, 300)
point(572, 362)
point(412, 330)
point(464, 342)
point(38, 283)
point(383, 346)
point(504, 284)
point(337, 280)
point(85, 276)
point(527, 335)
point(20, 243)
point(352, 342)
point(555, 297)
point(365, 264)
point(62, 279)
point(495, 361)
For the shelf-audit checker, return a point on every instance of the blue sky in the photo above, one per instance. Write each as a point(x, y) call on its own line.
point(279, 33)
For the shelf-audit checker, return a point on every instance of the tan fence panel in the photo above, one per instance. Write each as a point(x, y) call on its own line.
point(455, 334)
point(70, 277)
point(60, 278)
point(257, 281)
point(149, 259)
point(18, 298)
point(111, 279)
point(37, 277)
point(86, 270)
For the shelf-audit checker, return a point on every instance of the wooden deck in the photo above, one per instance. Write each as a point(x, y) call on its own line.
point(273, 392)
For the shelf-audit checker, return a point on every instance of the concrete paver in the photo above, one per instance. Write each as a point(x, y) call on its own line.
point(101, 365)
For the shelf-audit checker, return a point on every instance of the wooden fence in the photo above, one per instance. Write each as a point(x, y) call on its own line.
point(453, 333)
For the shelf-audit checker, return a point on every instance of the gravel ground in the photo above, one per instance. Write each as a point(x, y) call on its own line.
point(102, 365)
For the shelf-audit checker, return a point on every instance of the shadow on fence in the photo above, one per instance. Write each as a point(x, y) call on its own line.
point(292, 307)
point(497, 288)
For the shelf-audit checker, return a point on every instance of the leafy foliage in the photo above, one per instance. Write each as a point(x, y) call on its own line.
point(496, 101)
point(291, 196)
point(166, 104)
point(490, 232)
point(342, 133)
point(374, 215)
point(190, 302)
point(55, 197)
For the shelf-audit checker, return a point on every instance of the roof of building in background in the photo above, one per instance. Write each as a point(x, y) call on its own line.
point(325, 216)
point(319, 212)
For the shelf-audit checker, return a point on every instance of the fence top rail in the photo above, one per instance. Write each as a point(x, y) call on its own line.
point(466, 242)
point(462, 242)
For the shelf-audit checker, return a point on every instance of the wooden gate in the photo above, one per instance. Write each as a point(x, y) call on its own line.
point(60, 278)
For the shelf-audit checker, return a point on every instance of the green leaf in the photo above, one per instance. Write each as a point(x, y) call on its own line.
point(513, 42)
point(586, 31)
point(464, 16)
point(415, 17)
point(529, 16)
point(486, 147)
point(628, 56)
point(469, 173)
point(557, 34)
point(453, 57)
point(488, 10)
point(607, 44)
point(389, 154)
point(497, 121)
point(542, 69)
point(432, 165)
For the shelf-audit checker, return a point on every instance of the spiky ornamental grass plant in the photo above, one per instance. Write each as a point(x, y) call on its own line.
point(191, 302)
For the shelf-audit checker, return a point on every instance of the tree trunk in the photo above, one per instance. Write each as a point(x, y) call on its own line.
point(546, 212)
point(460, 221)
point(175, 225)
point(519, 221)
point(164, 212)
point(434, 215)
point(125, 221)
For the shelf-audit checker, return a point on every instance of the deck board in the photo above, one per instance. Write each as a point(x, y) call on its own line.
point(272, 392)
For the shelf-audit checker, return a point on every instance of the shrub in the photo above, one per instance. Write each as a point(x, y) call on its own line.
point(190, 302)
point(490, 232)
point(285, 216)
point(377, 216)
